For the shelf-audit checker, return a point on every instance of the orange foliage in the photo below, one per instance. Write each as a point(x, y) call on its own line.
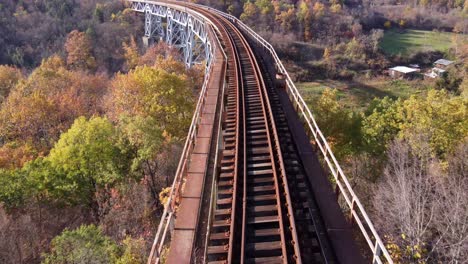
point(14, 156)
point(39, 109)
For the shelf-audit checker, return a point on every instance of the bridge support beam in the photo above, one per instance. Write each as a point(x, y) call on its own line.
point(153, 27)
point(176, 35)
point(184, 31)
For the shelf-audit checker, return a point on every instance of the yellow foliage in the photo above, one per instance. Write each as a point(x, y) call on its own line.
point(319, 9)
point(388, 24)
point(335, 8)
point(164, 195)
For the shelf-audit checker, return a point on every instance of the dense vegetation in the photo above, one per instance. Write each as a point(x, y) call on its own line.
point(91, 125)
point(402, 142)
point(74, 149)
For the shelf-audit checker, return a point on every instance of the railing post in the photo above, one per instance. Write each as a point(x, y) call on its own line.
point(337, 190)
point(351, 218)
point(377, 251)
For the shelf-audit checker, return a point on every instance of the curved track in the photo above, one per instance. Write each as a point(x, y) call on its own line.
point(257, 217)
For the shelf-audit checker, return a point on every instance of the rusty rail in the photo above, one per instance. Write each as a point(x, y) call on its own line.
point(358, 213)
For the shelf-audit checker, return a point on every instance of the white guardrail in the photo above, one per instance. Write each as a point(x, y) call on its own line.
point(358, 213)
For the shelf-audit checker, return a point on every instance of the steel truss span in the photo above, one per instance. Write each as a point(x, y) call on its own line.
point(184, 30)
point(263, 209)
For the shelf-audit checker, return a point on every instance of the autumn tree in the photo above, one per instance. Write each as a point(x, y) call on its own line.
point(154, 92)
point(287, 19)
point(305, 16)
point(440, 117)
point(250, 12)
point(153, 106)
point(9, 77)
point(319, 9)
point(131, 54)
point(46, 104)
point(79, 51)
point(134, 251)
point(405, 201)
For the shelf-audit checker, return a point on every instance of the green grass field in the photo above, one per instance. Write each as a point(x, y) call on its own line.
point(412, 41)
point(358, 94)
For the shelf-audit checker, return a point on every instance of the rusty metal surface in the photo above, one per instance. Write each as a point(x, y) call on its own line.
point(181, 251)
point(202, 145)
point(194, 185)
point(204, 131)
point(198, 163)
point(187, 214)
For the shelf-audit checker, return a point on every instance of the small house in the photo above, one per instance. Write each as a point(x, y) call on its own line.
point(442, 63)
point(435, 73)
point(403, 72)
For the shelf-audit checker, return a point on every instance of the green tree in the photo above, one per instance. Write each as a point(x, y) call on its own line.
point(13, 188)
point(339, 126)
point(265, 6)
point(88, 159)
point(84, 245)
point(381, 124)
point(440, 118)
point(36, 182)
point(451, 80)
point(134, 251)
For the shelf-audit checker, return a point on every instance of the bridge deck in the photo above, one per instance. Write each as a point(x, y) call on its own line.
point(188, 215)
point(338, 229)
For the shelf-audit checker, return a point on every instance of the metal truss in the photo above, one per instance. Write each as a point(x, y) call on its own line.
point(153, 26)
point(180, 29)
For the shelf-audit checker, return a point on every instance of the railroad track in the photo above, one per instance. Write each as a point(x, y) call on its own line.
point(256, 216)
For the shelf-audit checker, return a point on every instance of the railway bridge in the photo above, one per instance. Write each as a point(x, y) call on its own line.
point(252, 185)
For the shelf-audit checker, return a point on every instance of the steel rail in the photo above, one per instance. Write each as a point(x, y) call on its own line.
point(281, 169)
point(266, 109)
point(377, 247)
point(273, 136)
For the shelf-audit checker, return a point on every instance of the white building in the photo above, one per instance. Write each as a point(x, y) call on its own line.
point(402, 71)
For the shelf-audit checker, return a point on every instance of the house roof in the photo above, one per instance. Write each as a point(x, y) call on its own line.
point(404, 69)
point(443, 62)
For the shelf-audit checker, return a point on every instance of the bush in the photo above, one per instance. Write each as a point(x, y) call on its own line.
point(84, 245)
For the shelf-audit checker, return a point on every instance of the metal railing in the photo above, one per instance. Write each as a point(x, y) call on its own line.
point(357, 211)
point(358, 214)
point(167, 219)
